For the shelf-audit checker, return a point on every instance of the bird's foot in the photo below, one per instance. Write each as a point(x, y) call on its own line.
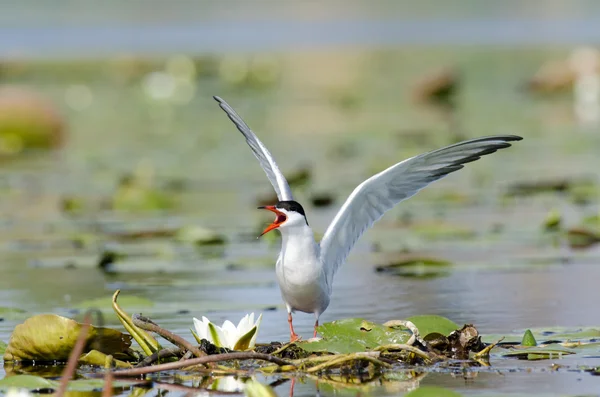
point(294, 338)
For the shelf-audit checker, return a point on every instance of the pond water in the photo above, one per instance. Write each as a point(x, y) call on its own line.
point(344, 115)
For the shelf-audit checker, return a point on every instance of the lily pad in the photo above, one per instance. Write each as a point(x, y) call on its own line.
point(29, 382)
point(539, 353)
point(105, 303)
point(427, 324)
point(100, 359)
point(442, 231)
point(432, 391)
point(354, 335)
point(414, 266)
point(11, 313)
point(49, 337)
point(199, 236)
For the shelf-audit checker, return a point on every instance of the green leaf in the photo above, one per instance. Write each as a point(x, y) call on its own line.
point(244, 342)
point(100, 359)
point(528, 339)
point(199, 236)
point(432, 391)
point(539, 353)
point(106, 303)
point(417, 267)
point(148, 344)
point(88, 385)
point(431, 323)
point(354, 335)
point(29, 382)
point(49, 337)
point(12, 313)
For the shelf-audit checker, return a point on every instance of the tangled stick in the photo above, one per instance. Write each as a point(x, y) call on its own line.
point(201, 360)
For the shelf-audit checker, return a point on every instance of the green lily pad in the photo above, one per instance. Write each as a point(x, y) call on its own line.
point(33, 382)
point(539, 353)
point(354, 335)
point(442, 231)
point(96, 384)
point(29, 382)
point(418, 267)
point(12, 313)
point(546, 334)
point(427, 324)
point(528, 339)
point(99, 359)
point(49, 337)
point(105, 303)
point(199, 236)
point(432, 391)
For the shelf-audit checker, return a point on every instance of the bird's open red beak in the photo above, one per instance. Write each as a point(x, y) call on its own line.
point(277, 222)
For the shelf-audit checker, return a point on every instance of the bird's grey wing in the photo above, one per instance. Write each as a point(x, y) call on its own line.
point(267, 162)
point(372, 198)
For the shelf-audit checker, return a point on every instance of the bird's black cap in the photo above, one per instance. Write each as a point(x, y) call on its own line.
point(291, 205)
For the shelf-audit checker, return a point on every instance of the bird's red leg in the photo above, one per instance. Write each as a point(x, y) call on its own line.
point(293, 336)
point(316, 326)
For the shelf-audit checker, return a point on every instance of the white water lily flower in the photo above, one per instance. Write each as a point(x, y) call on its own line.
point(242, 337)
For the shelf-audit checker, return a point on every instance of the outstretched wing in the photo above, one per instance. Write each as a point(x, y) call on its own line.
point(267, 162)
point(372, 198)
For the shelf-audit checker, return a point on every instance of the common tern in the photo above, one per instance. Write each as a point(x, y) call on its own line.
point(305, 268)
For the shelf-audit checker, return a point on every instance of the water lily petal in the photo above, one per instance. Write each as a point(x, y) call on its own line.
point(201, 328)
point(245, 341)
point(257, 325)
point(246, 323)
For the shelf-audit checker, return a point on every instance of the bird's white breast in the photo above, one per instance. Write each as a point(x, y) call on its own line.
point(300, 273)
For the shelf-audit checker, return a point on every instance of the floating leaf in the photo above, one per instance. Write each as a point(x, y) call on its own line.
point(88, 385)
point(414, 266)
point(539, 353)
point(582, 237)
point(354, 335)
point(49, 337)
point(431, 323)
point(106, 302)
point(100, 359)
point(432, 391)
point(552, 221)
point(528, 339)
point(11, 313)
point(442, 231)
point(199, 236)
point(29, 382)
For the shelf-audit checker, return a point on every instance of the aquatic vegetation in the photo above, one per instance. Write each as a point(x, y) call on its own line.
point(28, 120)
point(49, 337)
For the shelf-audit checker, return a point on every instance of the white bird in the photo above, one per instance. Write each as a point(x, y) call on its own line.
point(305, 268)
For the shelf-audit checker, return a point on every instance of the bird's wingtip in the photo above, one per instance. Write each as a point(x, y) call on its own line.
point(217, 98)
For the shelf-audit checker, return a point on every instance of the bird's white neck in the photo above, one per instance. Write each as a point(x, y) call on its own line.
point(298, 245)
